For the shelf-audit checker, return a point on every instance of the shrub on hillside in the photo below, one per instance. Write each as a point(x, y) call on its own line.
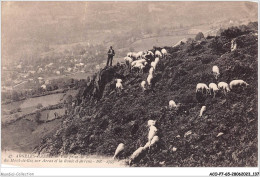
point(199, 36)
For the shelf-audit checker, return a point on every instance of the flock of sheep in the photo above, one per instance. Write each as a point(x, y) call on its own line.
point(214, 88)
point(139, 61)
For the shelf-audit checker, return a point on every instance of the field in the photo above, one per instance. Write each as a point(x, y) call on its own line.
point(23, 135)
point(148, 43)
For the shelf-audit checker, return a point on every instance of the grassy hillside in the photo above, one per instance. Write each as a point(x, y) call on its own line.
point(103, 118)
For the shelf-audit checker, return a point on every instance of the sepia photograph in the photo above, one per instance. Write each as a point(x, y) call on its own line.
point(129, 84)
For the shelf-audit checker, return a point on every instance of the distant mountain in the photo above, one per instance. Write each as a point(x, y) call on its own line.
point(28, 28)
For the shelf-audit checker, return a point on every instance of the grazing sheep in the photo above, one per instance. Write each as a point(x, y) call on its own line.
point(233, 45)
point(153, 64)
point(119, 149)
point(129, 54)
point(142, 61)
point(215, 71)
point(237, 83)
point(140, 67)
point(128, 61)
point(149, 79)
point(119, 85)
point(151, 71)
point(223, 86)
point(201, 87)
point(134, 55)
point(152, 133)
point(154, 140)
point(146, 145)
point(139, 55)
point(158, 54)
point(136, 154)
point(213, 88)
point(164, 53)
point(156, 60)
point(202, 110)
point(143, 85)
point(172, 104)
point(151, 123)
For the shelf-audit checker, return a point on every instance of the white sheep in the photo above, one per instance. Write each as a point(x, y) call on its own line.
point(237, 83)
point(139, 54)
point(136, 154)
point(172, 104)
point(152, 133)
point(149, 79)
point(201, 87)
point(153, 64)
point(202, 110)
point(128, 61)
point(213, 88)
point(164, 53)
point(158, 54)
point(138, 61)
point(233, 45)
point(147, 145)
point(151, 123)
point(140, 66)
point(156, 60)
point(223, 86)
point(215, 71)
point(151, 71)
point(154, 140)
point(119, 149)
point(119, 84)
point(129, 54)
point(143, 83)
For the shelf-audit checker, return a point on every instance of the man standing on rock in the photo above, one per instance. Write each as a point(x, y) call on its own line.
point(111, 54)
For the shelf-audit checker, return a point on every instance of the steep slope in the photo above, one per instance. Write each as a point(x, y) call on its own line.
point(104, 118)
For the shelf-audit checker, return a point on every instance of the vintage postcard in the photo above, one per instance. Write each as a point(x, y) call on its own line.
point(130, 84)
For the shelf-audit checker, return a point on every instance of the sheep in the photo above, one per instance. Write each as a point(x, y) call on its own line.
point(151, 71)
point(156, 60)
point(215, 71)
point(164, 53)
point(151, 123)
point(149, 79)
point(139, 54)
point(233, 45)
point(201, 87)
point(140, 66)
point(136, 154)
point(119, 149)
point(213, 88)
point(152, 133)
point(158, 54)
point(119, 85)
point(202, 110)
point(237, 83)
point(153, 64)
point(154, 140)
point(128, 61)
point(129, 54)
point(138, 61)
point(172, 104)
point(223, 86)
point(149, 55)
point(146, 145)
point(143, 83)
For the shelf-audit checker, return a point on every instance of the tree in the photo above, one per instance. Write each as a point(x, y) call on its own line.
point(39, 106)
point(199, 36)
point(38, 116)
